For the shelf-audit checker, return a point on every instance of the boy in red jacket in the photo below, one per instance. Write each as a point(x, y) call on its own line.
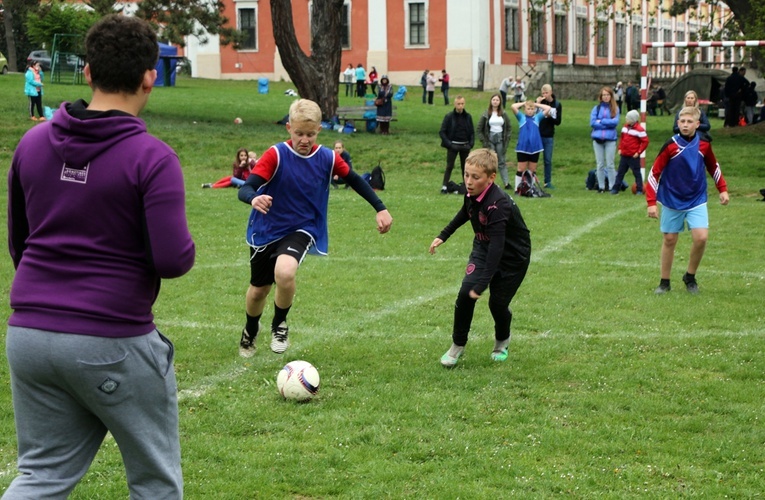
point(633, 142)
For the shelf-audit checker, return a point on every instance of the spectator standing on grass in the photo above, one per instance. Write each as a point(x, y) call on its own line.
point(619, 94)
point(692, 99)
point(288, 191)
point(361, 81)
point(424, 85)
point(529, 139)
point(547, 130)
point(604, 119)
point(632, 96)
point(634, 141)
point(518, 89)
point(678, 181)
point(96, 221)
point(494, 133)
point(349, 75)
point(504, 87)
point(499, 258)
point(445, 85)
point(33, 88)
point(735, 85)
point(458, 137)
point(373, 79)
point(750, 101)
point(385, 110)
point(431, 87)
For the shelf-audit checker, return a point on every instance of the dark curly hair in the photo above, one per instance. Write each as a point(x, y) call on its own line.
point(119, 50)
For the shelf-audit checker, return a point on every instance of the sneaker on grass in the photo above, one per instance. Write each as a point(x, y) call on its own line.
point(499, 355)
point(662, 289)
point(690, 284)
point(247, 343)
point(450, 357)
point(279, 340)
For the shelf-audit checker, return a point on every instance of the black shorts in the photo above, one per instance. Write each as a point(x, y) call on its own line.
point(263, 260)
point(533, 158)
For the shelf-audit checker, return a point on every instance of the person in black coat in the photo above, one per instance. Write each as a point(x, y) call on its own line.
point(458, 137)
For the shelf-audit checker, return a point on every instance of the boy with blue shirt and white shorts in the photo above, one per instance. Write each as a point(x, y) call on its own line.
point(678, 181)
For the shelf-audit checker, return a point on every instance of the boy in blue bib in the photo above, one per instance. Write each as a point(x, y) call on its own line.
point(288, 190)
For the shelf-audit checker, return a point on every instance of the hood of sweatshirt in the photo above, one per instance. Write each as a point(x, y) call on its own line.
point(79, 135)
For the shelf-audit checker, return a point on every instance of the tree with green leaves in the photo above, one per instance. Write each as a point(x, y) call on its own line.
point(17, 44)
point(58, 18)
point(177, 19)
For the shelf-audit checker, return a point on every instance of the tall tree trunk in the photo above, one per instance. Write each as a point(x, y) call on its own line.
point(10, 40)
point(317, 77)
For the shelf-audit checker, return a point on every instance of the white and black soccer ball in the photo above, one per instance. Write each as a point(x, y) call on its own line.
point(298, 381)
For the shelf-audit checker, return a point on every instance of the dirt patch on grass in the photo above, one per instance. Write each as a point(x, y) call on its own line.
point(757, 129)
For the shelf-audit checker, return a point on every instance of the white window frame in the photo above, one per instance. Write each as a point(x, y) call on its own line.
point(249, 4)
point(515, 46)
point(347, 4)
point(407, 24)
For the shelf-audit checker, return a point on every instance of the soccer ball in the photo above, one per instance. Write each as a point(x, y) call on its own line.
point(298, 380)
point(238, 120)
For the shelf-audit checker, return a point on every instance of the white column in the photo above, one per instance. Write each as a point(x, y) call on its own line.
point(523, 7)
point(377, 29)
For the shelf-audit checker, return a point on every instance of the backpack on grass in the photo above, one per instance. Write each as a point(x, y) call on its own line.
point(377, 179)
point(530, 187)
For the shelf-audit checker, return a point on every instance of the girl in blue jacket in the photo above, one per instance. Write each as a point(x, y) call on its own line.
point(33, 85)
point(604, 119)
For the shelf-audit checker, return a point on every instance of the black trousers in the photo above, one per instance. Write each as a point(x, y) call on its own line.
point(502, 289)
point(451, 156)
point(35, 101)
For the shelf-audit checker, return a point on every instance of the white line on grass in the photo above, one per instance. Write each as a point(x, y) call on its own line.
point(557, 245)
point(236, 369)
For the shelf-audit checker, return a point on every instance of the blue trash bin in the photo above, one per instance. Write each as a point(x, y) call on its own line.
point(263, 86)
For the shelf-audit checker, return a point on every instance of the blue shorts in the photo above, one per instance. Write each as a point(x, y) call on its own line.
point(674, 221)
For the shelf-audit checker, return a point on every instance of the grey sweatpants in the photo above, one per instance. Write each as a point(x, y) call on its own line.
point(69, 390)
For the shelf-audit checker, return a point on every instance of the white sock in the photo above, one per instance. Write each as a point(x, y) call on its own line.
point(455, 350)
point(501, 345)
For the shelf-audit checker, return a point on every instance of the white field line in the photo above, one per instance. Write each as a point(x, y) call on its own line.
point(311, 335)
point(236, 369)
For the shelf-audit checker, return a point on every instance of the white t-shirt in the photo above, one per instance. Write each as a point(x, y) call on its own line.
point(496, 123)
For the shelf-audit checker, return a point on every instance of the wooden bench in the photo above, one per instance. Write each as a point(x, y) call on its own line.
point(345, 113)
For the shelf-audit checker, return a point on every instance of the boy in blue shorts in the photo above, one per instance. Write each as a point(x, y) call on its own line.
point(683, 194)
point(288, 190)
point(498, 260)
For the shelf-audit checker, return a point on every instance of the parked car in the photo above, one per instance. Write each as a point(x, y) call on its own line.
point(41, 56)
point(3, 64)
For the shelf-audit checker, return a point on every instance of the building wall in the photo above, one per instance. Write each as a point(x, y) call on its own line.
point(461, 35)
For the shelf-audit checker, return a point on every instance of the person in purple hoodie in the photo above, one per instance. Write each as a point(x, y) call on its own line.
point(96, 219)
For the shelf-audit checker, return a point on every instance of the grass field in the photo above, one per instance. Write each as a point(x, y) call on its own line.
point(609, 391)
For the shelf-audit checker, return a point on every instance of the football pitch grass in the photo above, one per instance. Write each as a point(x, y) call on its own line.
point(609, 391)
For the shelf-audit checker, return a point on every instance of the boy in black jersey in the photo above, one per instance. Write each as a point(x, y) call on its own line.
point(499, 259)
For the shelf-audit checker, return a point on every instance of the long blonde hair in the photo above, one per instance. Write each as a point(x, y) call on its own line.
point(612, 104)
point(695, 98)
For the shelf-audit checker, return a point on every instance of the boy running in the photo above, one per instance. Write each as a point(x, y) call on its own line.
point(498, 261)
point(288, 190)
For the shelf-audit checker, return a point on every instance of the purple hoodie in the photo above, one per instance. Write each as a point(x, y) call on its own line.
point(96, 217)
